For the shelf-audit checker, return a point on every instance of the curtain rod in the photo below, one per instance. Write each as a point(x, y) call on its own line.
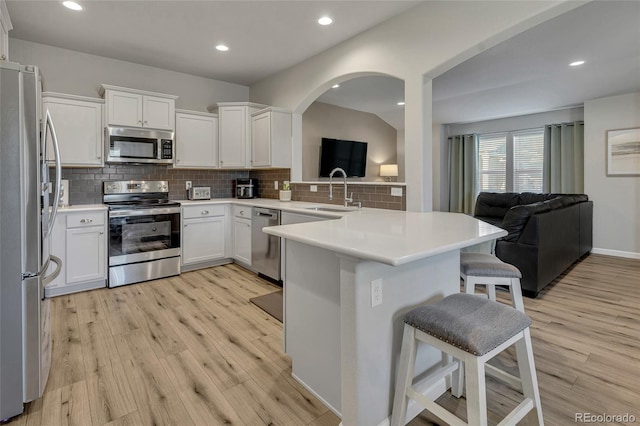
point(521, 130)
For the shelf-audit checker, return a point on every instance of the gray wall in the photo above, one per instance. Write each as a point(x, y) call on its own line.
point(330, 121)
point(616, 200)
point(68, 71)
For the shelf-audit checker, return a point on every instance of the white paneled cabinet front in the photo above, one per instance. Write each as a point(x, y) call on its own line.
point(137, 108)
point(196, 140)
point(271, 138)
point(203, 233)
point(79, 239)
point(242, 234)
point(78, 124)
point(235, 133)
point(86, 254)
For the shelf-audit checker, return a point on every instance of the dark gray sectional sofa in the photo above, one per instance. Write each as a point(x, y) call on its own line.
point(547, 232)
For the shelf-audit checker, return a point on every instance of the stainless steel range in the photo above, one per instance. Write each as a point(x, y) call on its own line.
point(144, 231)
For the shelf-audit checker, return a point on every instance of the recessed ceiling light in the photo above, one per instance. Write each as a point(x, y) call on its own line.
point(222, 47)
point(576, 63)
point(400, 103)
point(325, 20)
point(335, 86)
point(71, 5)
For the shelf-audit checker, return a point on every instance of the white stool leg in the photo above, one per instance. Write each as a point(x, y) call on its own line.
point(491, 291)
point(404, 376)
point(476, 391)
point(469, 284)
point(526, 365)
point(457, 381)
point(516, 294)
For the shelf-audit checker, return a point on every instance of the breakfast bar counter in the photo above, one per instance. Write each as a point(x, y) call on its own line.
point(348, 283)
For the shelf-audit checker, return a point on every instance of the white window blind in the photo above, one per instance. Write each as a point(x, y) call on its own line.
point(511, 161)
point(528, 147)
point(492, 162)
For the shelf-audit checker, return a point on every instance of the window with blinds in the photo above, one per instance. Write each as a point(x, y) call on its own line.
point(511, 161)
point(492, 163)
point(528, 150)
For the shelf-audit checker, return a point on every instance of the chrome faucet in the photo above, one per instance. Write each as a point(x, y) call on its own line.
point(347, 200)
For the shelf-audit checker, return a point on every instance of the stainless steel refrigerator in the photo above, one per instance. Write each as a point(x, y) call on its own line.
point(25, 223)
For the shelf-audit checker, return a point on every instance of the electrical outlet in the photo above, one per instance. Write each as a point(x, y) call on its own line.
point(275, 184)
point(188, 184)
point(396, 192)
point(376, 292)
point(313, 188)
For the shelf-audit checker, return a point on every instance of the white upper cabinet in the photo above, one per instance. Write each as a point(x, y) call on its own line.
point(5, 27)
point(137, 108)
point(235, 133)
point(271, 138)
point(78, 124)
point(196, 140)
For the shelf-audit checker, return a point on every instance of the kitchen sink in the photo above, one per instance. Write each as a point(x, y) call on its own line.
point(329, 209)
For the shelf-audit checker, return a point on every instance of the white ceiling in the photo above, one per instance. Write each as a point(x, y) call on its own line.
point(529, 72)
point(264, 37)
point(526, 74)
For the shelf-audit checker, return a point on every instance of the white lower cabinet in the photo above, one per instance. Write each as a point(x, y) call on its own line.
point(86, 254)
point(242, 240)
point(204, 233)
point(79, 239)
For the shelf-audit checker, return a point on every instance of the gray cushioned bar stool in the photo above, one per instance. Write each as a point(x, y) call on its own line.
point(473, 330)
point(488, 270)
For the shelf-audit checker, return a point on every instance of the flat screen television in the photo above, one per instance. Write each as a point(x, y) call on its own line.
point(348, 155)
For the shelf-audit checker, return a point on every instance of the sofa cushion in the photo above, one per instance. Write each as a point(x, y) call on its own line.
point(531, 197)
point(494, 204)
point(518, 216)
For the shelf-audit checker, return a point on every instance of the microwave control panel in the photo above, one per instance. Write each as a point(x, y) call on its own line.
point(167, 149)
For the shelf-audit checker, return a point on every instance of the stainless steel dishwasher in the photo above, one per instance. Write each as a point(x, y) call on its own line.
point(265, 248)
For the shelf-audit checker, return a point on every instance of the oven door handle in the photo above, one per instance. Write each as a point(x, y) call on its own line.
point(144, 212)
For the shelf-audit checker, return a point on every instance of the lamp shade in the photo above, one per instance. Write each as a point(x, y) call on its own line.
point(388, 170)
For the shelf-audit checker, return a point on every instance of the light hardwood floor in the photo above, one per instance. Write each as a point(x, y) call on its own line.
point(192, 350)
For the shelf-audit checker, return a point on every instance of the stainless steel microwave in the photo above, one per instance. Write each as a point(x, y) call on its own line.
point(128, 145)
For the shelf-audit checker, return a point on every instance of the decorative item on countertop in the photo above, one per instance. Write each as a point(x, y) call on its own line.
point(387, 171)
point(285, 192)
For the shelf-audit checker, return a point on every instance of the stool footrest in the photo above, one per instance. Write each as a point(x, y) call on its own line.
point(518, 413)
point(508, 378)
point(434, 408)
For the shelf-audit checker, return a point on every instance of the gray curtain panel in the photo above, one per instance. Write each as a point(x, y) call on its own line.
point(462, 173)
point(563, 166)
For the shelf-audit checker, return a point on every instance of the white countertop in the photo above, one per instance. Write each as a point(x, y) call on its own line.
point(387, 236)
point(82, 207)
point(393, 238)
point(302, 207)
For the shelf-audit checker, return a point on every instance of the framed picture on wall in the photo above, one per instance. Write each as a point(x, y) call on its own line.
point(623, 152)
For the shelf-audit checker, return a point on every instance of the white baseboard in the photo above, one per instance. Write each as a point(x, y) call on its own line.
point(616, 253)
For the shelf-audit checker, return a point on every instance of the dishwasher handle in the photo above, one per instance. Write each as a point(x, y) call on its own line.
point(269, 214)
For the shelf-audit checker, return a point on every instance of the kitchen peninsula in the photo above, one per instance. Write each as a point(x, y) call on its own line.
point(348, 284)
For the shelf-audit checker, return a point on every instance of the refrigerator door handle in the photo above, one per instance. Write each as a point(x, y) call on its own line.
point(55, 259)
point(56, 150)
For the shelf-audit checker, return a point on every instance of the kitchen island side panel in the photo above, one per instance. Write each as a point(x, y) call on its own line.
point(343, 349)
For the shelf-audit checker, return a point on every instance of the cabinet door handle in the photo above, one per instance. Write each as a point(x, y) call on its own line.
point(101, 233)
point(205, 212)
point(185, 225)
point(145, 122)
point(86, 220)
point(99, 157)
point(139, 121)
